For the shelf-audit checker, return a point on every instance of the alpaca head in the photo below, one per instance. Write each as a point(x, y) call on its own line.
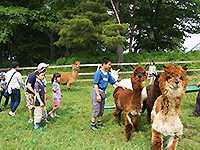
point(173, 79)
point(115, 74)
point(76, 66)
point(139, 77)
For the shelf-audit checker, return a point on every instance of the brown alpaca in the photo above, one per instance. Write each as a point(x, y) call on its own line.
point(130, 101)
point(166, 110)
point(153, 92)
point(70, 77)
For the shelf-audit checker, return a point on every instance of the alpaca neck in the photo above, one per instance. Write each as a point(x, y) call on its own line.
point(75, 74)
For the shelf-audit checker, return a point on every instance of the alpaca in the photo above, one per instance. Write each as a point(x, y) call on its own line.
point(130, 101)
point(127, 83)
point(166, 110)
point(153, 92)
point(70, 77)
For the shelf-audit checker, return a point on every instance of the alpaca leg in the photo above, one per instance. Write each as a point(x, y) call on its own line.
point(149, 115)
point(144, 106)
point(136, 123)
point(117, 114)
point(128, 126)
point(68, 86)
point(157, 142)
point(172, 143)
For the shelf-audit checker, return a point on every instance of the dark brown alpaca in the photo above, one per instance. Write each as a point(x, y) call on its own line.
point(153, 92)
point(130, 101)
point(68, 78)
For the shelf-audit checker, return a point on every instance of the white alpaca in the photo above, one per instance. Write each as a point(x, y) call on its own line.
point(127, 83)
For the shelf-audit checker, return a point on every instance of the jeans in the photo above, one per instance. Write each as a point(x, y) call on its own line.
point(15, 99)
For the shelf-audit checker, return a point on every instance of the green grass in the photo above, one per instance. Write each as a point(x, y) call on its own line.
point(71, 130)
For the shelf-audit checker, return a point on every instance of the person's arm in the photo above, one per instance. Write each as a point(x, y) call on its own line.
point(30, 87)
point(39, 99)
point(97, 92)
point(118, 84)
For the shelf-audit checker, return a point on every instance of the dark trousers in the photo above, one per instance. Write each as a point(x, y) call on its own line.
point(7, 98)
point(198, 104)
point(15, 99)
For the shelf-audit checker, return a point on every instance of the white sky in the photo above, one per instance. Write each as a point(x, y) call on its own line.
point(191, 42)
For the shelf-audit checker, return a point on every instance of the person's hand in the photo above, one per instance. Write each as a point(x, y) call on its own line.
point(1, 89)
point(198, 84)
point(41, 104)
point(98, 98)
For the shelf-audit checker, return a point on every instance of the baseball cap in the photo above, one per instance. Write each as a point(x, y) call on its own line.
point(42, 65)
point(2, 74)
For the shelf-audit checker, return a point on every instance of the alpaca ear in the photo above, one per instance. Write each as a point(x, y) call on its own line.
point(184, 67)
point(132, 66)
point(118, 70)
point(111, 69)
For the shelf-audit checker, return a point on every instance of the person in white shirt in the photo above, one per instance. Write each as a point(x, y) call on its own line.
point(14, 87)
point(152, 71)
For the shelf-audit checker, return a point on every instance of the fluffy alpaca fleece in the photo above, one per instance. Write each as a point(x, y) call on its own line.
point(166, 110)
point(130, 101)
point(153, 92)
point(127, 83)
point(68, 78)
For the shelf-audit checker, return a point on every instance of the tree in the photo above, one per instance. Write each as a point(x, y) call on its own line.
point(87, 25)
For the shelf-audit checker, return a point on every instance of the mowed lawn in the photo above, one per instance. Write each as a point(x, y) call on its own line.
point(71, 130)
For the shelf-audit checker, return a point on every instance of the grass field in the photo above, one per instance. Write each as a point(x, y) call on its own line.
point(71, 130)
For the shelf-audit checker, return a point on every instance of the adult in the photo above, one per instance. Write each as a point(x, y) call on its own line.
point(15, 80)
point(29, 93)
point(196, 113)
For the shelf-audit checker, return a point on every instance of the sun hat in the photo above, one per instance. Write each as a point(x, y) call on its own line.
point(42, 65)
point(2, 74)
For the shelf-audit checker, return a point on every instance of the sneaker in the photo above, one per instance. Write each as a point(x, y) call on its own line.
point(56, 116)
point(37, 126)
point(94, 127)
point(11, 113)
point(30, 120)
point(102, 126)
point(45, 120)
point(6, 106)
point(51, 114)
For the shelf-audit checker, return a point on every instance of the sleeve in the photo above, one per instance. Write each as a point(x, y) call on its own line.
point(20, 80)
point(31, 78)
point(54, 87)
point(44, 81)
point(111, 79)
point(97, 77)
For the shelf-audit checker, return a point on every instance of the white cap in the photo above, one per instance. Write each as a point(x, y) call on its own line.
point(42, 65)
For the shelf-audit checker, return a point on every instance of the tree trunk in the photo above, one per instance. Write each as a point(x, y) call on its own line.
point(132, 28)
point(120, 54)
point(52, 47)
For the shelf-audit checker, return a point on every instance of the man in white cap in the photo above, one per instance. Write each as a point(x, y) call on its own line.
point(29, 93)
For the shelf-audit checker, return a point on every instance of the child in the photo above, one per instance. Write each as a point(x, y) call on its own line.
point(39, 98)
point(25, 88)
point(2, 89)
point(152, 70)
point(101, 79)
point(56, 94)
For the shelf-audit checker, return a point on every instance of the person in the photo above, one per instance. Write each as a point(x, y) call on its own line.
point(15, 80)
point(196, 113)
point(56, 94)
point(39, 98)
point(29, 93)
point(2, 89)
point(101, 79)
point(152, 71)
point(25, 88)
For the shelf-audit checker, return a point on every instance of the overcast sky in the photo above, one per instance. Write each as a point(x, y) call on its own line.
point(192, 42)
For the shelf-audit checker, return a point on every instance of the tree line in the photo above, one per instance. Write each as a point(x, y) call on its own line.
point(45, 30)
